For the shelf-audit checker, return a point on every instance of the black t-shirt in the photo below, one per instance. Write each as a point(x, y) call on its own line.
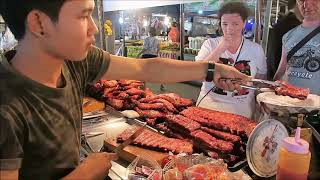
point(284, 25)
point(40, 126)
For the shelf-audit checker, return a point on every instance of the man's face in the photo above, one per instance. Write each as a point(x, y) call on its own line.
point(73, 34)
point(310, 9)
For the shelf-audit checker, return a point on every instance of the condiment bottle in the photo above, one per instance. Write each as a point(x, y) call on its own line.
point(294, 158)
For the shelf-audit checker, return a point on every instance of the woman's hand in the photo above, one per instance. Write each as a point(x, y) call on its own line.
point(225, 43)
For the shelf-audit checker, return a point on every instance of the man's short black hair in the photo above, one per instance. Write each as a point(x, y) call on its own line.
point(291, 4)
point(234, 8)
point(15, 12)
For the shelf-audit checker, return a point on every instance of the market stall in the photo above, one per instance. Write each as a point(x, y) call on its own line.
point(172, 125)
point(194, 21)
point(167, 49)
point(165, 136)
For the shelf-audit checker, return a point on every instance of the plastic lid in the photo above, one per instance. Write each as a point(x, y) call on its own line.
point(295, 144)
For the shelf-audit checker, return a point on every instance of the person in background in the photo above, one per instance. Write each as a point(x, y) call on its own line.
point(174, 34)
point(303, 68)
point(43, 82)
point(7, 40)
point(291, 20)
point(151, 45)
point(234, 50)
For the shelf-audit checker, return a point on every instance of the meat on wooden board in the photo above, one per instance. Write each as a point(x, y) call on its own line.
point(157, 141)
point(222, 135)
point(235, 124)
point(211, 142)
point(183, 123)
point(218, 134)
point(149, 113)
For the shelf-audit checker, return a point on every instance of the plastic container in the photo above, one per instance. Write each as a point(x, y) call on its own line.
point(294, 158)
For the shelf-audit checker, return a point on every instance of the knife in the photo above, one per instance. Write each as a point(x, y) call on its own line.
point(93, 134)
point(130, 139)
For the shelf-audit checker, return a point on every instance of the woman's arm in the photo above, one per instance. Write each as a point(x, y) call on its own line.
point(261, 64)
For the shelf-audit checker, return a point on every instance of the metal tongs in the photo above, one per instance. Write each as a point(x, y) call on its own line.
point(259, 84)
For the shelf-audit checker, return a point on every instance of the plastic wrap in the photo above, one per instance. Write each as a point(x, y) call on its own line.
point(143, 168)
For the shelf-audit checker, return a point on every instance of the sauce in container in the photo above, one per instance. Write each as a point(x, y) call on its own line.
point(294, 158)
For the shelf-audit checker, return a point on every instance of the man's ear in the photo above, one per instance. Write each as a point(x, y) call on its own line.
point(37, 23)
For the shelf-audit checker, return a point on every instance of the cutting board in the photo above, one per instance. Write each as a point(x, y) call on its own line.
point(130, 152)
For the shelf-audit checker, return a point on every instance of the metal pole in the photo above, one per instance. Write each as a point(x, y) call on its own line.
point(104, 46)
point(267, 15)
point(257, 36)
point(277, 13)
point(100, 23)
point(182, 31)
point(123, 32)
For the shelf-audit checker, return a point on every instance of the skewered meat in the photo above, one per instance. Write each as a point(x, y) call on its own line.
point(133, 85)
point(135, 91)
point(149, 106)
point(166, 103)
point(162, 127)
point(181, 123)
point(109, 83)
point(149, 113)
point(151, 98)
point(148, 92)
point(106, 91)
point(180, 102)
point(135, 97)
point(122, 95)
point(156, 141)
point(117, 95)
point(127, 105)
point(151, 121)
point(235, 124)
point(292, 91)
point(124, 82)
point(174, 99)
point(115, 103)
point(222, 135)
point(211, 142)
